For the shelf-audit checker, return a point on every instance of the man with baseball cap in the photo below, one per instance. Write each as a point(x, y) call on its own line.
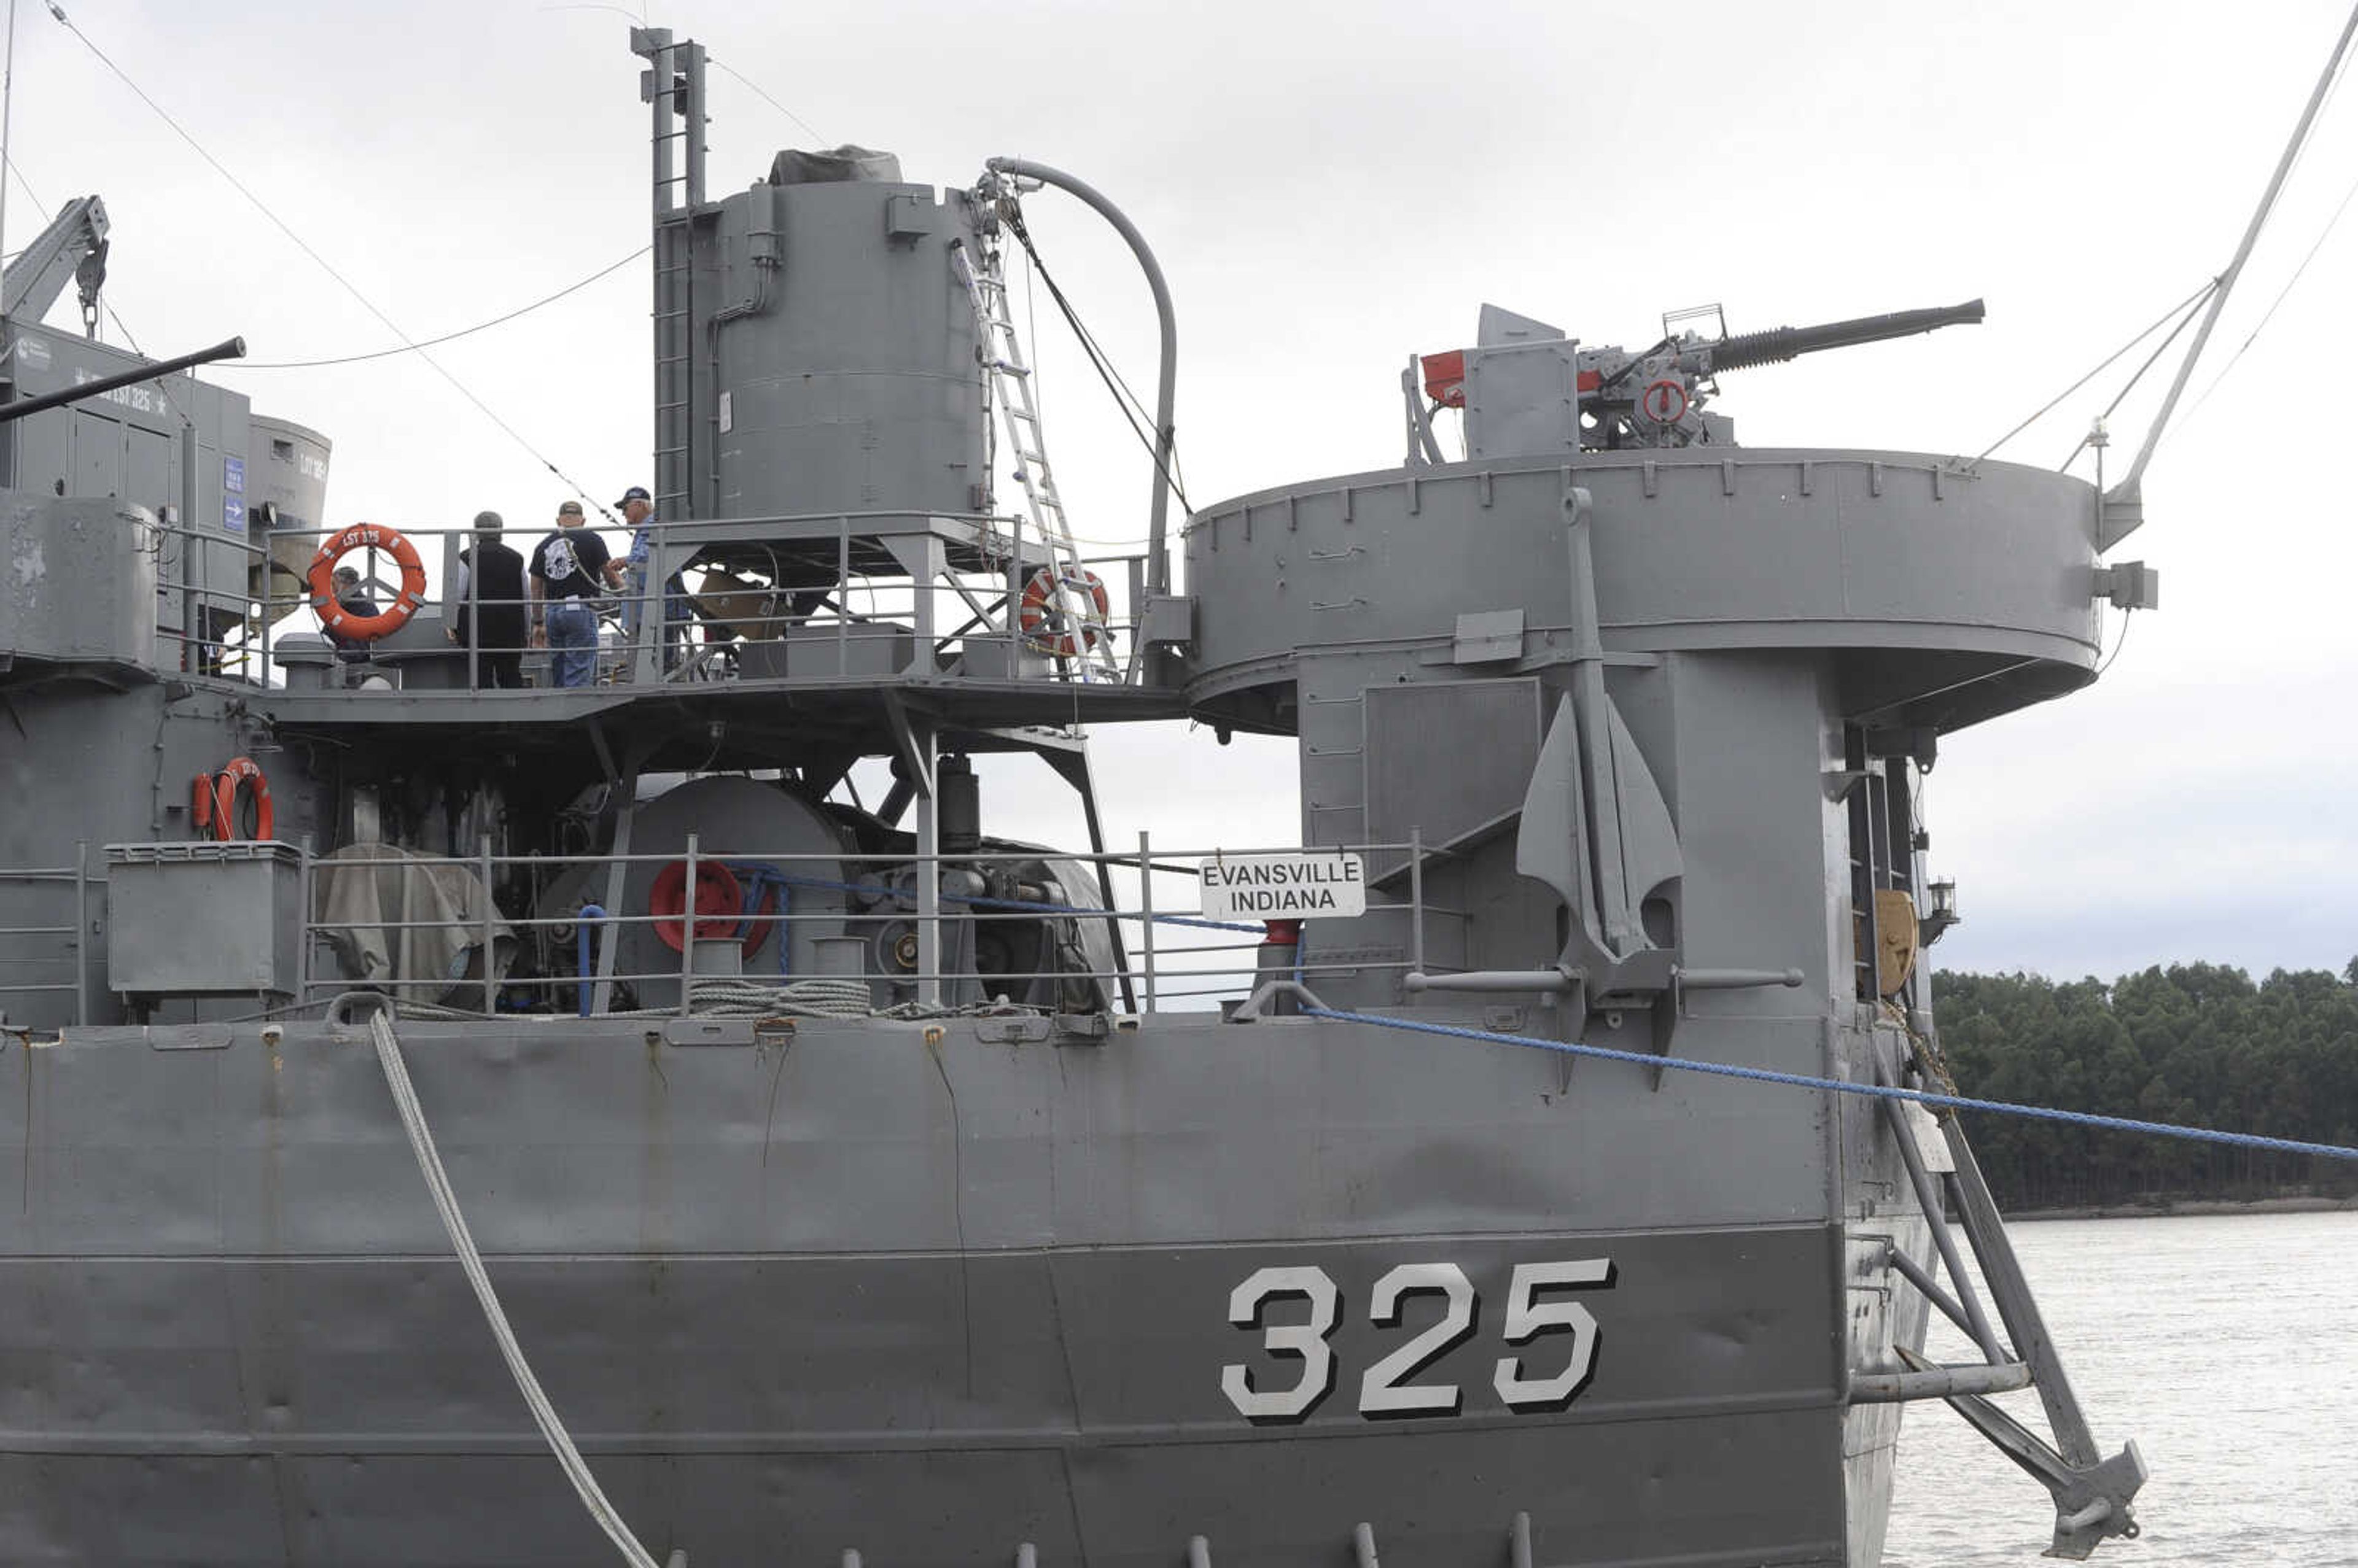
point(639, 511)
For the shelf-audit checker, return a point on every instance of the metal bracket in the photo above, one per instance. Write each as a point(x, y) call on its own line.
point(2129, 585)
point(1250, 1013)
point(1082, 1028)
point(1028, 1030)
point(708, 1032)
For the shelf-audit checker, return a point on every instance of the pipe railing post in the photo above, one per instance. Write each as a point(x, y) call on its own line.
point(687, 935)
point(82, 931)
point(491, 912)
point(1146, 913)
point(1416, 899)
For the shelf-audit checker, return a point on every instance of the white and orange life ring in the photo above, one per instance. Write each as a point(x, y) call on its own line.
point(242, 774)
point(321, 579)
point(1042, 615)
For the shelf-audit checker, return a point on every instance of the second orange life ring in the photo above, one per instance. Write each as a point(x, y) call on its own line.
point(242, 772)
point(1042, 616)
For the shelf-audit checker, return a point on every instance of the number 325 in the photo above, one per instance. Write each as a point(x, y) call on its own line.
point(1385, 1389)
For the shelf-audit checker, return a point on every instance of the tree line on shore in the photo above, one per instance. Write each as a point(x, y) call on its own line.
point(2195, 1044)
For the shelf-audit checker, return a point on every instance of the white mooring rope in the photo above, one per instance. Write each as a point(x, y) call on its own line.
point(445, 1201)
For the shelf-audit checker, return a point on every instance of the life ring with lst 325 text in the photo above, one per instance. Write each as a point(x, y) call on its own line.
point(242, 774)
point(1047, 621)
point(321, 580)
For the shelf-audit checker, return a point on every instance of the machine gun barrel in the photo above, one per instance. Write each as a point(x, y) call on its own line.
point(227, 349)
point(1749, 349)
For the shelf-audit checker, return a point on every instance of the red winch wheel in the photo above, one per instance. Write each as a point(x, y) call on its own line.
point(720, 904)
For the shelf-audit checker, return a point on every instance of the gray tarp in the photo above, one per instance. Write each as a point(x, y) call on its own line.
point(363, 911)
point(847, 162)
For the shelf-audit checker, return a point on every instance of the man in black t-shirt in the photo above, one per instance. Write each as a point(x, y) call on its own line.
point(352, 600)
point(489, 595)
point(568, 568)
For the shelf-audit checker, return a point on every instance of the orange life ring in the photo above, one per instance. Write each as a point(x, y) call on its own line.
point(1041, 611)
point(241, 771)
point(321, 579)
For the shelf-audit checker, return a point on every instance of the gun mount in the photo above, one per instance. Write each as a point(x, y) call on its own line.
point(1523, 370)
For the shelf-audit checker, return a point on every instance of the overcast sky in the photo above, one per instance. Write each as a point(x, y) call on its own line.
point(1330, 189)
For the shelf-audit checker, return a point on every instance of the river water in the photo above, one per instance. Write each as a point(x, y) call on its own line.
point(2227, 1347)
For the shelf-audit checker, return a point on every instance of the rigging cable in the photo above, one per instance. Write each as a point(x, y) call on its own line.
point(219, 168)
point(2269, 315)
point(764, 97)
point(1099, 360)
point(2326, 83)
point(447, 337)
point(2189, 302)
point(2159, 348)
point(1840, 1086)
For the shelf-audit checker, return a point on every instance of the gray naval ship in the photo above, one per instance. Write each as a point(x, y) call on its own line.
point(850, 1183)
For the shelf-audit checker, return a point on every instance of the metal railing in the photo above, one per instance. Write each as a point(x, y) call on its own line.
point(845, 596)
point(1157, 950)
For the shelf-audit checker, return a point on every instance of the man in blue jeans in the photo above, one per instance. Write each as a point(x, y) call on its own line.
point(568, 566)
point(639, 512)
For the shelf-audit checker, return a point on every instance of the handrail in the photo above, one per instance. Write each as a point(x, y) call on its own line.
point(668, 636)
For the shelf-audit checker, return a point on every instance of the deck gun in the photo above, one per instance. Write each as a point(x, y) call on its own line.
point(1517, 375)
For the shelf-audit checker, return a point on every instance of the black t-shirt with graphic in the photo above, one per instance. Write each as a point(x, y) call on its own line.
point(570, 561)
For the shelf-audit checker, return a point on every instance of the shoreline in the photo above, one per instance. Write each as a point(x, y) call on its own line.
point(2188, 1208)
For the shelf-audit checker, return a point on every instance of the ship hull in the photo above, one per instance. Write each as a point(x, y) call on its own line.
point(900, 1289)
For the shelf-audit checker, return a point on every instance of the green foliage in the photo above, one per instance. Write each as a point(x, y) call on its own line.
point(2198, 1045)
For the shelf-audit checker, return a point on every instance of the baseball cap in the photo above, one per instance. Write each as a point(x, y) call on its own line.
point(636, 493)
point(570, 509)
point(487, 522)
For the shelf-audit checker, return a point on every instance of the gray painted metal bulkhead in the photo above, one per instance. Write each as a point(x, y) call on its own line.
point(837, 353)
point(1971, 585)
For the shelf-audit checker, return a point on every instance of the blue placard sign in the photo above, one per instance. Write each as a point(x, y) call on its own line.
point(234, 513)
point(234, 474)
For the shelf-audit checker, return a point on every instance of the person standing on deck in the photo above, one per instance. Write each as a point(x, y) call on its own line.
point(489, 595)
point(568, 566)
point(639, 512)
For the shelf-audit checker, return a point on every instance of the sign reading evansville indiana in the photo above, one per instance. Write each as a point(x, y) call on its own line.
point(1293, 886)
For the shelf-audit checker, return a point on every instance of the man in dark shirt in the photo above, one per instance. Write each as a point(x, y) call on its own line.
point(568, 567)
point(491, 606)
point(352, 600)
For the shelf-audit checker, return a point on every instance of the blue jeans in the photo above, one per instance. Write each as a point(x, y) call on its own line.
point(573, 642)
point(678, 616)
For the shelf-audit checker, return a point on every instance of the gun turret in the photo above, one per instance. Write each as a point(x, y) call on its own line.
point(1749, 349)
point(1621, 400)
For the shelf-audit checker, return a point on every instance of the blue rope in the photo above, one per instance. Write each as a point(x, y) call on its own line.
point(1836, 1085)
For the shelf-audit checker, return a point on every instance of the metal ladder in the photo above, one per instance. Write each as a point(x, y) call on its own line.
point(1074, 614)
